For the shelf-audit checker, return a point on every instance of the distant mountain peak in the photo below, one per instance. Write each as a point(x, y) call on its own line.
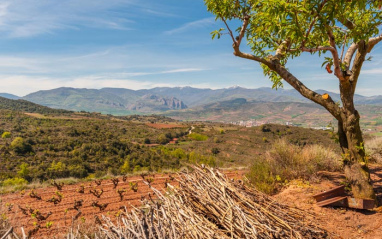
point(235, 87)
point(160, 99)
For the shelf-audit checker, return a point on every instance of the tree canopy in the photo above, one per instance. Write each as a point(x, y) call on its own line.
point(287, 28)
point(278, 30)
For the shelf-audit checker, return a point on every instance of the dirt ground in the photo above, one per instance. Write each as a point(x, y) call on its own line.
point(62, 214)
point(342, 223)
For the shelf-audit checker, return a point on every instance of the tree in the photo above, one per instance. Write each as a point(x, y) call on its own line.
point(20, 146)
point(24, 171)
point(345, 31)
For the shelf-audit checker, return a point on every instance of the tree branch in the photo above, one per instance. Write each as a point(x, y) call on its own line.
point(243, 29)
point(238, 53)
point(349, 54)
point(229, 29)
point(336, 60)
point(357, 65)
point(373, 41)
point(347, 23)
point(313, 22)
point(319, 48)
point(328, 103)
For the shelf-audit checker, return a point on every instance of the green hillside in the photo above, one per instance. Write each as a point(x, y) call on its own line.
point(42, 148)
point(26, 106)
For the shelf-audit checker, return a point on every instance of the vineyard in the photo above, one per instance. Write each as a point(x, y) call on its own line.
point(45, 212)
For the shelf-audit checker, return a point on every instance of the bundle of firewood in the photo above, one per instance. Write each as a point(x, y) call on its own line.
point(209, 205)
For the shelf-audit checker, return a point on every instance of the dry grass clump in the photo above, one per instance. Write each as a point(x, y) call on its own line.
point(374, 149)
point(285, 161)
point(209, 205)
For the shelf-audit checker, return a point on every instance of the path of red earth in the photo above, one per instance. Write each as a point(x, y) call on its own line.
point(165, 126)
point(62, 218)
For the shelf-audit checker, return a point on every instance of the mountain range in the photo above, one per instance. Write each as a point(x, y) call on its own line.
point(119, 101)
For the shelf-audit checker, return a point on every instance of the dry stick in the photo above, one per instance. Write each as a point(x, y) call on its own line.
point(208, 205)
point(10, 230)
point(23, 232)
point(115, 182)
point(15, 235)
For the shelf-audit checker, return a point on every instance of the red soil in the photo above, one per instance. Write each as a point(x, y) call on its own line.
point(343, 223)
point(165, 126)
point(61, 217)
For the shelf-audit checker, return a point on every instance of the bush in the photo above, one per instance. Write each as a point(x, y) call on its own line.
point(261, 177)
point(285, 161)
point(14, 182)
point(215, 151)
point(198, 137)
point(146, 141)
point(20, 146)
point(162, 139)
point(373, 148)
point(6, 135)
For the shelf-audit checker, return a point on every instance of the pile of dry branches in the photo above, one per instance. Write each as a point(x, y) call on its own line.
point(209, 205)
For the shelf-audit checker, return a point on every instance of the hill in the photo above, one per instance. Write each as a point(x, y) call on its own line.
point(118, 101)
point(9, 96)
point(26, 106)
point(108, 100)
point(252, 113)
point(257, 111)
point(78, 147)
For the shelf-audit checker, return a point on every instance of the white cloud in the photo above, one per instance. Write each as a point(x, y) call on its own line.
point(26, 18)
point(192, 25)
point(182, 70)
point(372, 71)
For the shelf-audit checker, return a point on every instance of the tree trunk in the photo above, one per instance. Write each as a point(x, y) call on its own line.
point(355, 162)
point(352, 144)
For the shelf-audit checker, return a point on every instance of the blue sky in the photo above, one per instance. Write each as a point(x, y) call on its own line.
point(135, 44)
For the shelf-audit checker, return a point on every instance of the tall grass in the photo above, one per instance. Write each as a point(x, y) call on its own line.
point(285, 162)
point(374, 149)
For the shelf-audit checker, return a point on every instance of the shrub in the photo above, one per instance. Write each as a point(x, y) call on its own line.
point(162, 139)
point(125, 168)
point(198, 137)
point(285, 161)
point(14, 182)
point(261, 177)
point(215, 151)
point(373, 148)
point(146, 141)
point(20, 146)
point(24, 171)
point(6, 135)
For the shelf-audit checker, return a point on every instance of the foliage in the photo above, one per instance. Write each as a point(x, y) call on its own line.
point(285, 162)
point(374, 149)
point(24, 171)
point(302, 23)
point(20, 146)
point(198, 137)
point(55, 147)
point(261, 177)
point(97, 146)
point(14, 182)
point(6, 135)
point(277, 31)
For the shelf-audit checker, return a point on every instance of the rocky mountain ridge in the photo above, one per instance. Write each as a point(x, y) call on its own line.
point(121, 101)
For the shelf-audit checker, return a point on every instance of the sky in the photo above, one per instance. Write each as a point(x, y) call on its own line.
point(135, 44)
